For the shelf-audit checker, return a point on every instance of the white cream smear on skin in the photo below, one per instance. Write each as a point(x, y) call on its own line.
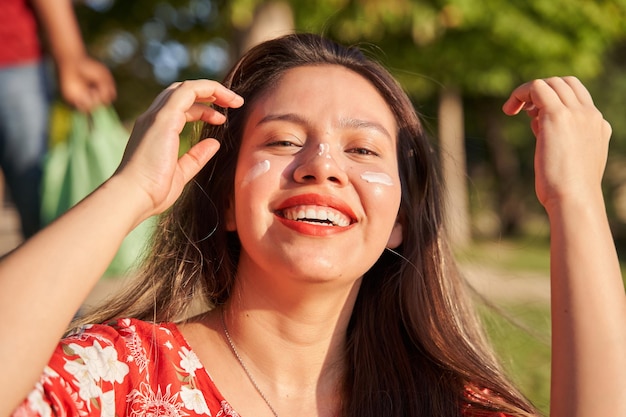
point(256, 171)
point(324, 150)
point(377, 178)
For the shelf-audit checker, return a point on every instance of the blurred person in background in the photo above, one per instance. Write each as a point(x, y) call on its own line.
point(27, 28)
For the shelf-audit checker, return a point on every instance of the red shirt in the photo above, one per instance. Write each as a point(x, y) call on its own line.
point(128, 368)
point(19, 41)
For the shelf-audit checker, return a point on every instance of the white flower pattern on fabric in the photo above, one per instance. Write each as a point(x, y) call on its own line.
point(226, 411)
point(108, 404)
point(145, 402)
point(192, 397)
point(194, 400)
point(189, 362)
point(96, 364)
point(137, 352)
point(49, 377)
point(101, 362)
point(37, 404)
point(86, 383)
point(85, 378)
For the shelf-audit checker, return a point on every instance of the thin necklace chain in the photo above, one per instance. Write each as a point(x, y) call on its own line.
point(244, 367)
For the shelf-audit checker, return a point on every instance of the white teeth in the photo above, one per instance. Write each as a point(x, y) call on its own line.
point(319, 215)
point(312, 214)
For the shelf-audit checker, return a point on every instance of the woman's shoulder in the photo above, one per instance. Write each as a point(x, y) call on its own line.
point(125, 333)
point(130, 344)
point(125, 366)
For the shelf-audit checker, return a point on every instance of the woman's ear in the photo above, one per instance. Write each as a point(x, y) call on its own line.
point(395, 238)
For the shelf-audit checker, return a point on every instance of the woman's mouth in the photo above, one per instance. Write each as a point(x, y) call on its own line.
point(316, 214)
point(324, 216)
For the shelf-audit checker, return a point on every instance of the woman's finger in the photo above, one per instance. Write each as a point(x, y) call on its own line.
point(204, 112)
point(196, 157)
point(583, 95)
point(183, 95)
point(162, 98)
point(183, 102)
point(533, 95)
point(563, 90)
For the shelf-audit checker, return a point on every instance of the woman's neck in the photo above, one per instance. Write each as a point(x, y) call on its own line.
point(295, 334)
point(282, 338)
point(288, 351)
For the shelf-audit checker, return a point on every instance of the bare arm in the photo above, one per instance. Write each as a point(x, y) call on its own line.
point(588, 298)
point(84, 82)
point(44, 281)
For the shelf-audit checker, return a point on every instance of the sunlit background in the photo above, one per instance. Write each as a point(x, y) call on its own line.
point(458, 59)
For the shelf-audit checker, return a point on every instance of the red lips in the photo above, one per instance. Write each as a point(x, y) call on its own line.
point(313, 228)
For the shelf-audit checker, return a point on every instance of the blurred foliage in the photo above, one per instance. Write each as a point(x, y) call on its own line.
point(483, 47)
point(150, 44)
point(486, 47)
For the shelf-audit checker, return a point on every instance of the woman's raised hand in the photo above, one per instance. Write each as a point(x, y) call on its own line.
point(151, 159)
point(572, 137)
point(588, 307)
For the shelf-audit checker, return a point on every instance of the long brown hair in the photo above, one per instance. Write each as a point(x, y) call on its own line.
point(414, 344)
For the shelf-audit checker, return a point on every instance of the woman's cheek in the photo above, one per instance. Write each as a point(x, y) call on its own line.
point(381, 178)
point(255, 172)
point(381, 184)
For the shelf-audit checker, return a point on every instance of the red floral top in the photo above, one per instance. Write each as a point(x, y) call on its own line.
point(127, 368)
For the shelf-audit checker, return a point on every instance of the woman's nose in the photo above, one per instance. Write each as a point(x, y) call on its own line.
point(319, 165)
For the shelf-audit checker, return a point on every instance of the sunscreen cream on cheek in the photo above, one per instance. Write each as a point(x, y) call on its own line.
point(377, 178)
point(256, 171)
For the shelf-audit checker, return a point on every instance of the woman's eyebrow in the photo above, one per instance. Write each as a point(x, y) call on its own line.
point(351, 123)
point(286, 117)
point(344, 123)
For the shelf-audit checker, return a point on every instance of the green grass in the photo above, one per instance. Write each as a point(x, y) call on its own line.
point(521, 337)
point(523, 254)
point(520, 332)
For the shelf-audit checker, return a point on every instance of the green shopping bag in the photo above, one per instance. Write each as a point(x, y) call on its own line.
point(78, 165)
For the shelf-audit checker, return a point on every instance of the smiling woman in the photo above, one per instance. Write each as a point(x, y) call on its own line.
point(313, 239)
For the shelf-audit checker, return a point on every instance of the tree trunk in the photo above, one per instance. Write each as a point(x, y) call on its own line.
point(271, 20)
point(453, 164)
point(508, 174)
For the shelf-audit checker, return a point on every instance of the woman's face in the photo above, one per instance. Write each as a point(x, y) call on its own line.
point(317, 190)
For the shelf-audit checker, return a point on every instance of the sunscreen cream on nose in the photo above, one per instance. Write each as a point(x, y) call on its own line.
point(256, 171)
point(324, 150)
point(377, 178)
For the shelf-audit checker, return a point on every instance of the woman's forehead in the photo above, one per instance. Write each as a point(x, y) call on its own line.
point(325, 94)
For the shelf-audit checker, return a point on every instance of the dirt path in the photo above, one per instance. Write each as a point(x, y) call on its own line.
point(501, 286)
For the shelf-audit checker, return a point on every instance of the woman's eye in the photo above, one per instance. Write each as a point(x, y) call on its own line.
point(279, 143)
point(283, 141)
point(363, 151)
